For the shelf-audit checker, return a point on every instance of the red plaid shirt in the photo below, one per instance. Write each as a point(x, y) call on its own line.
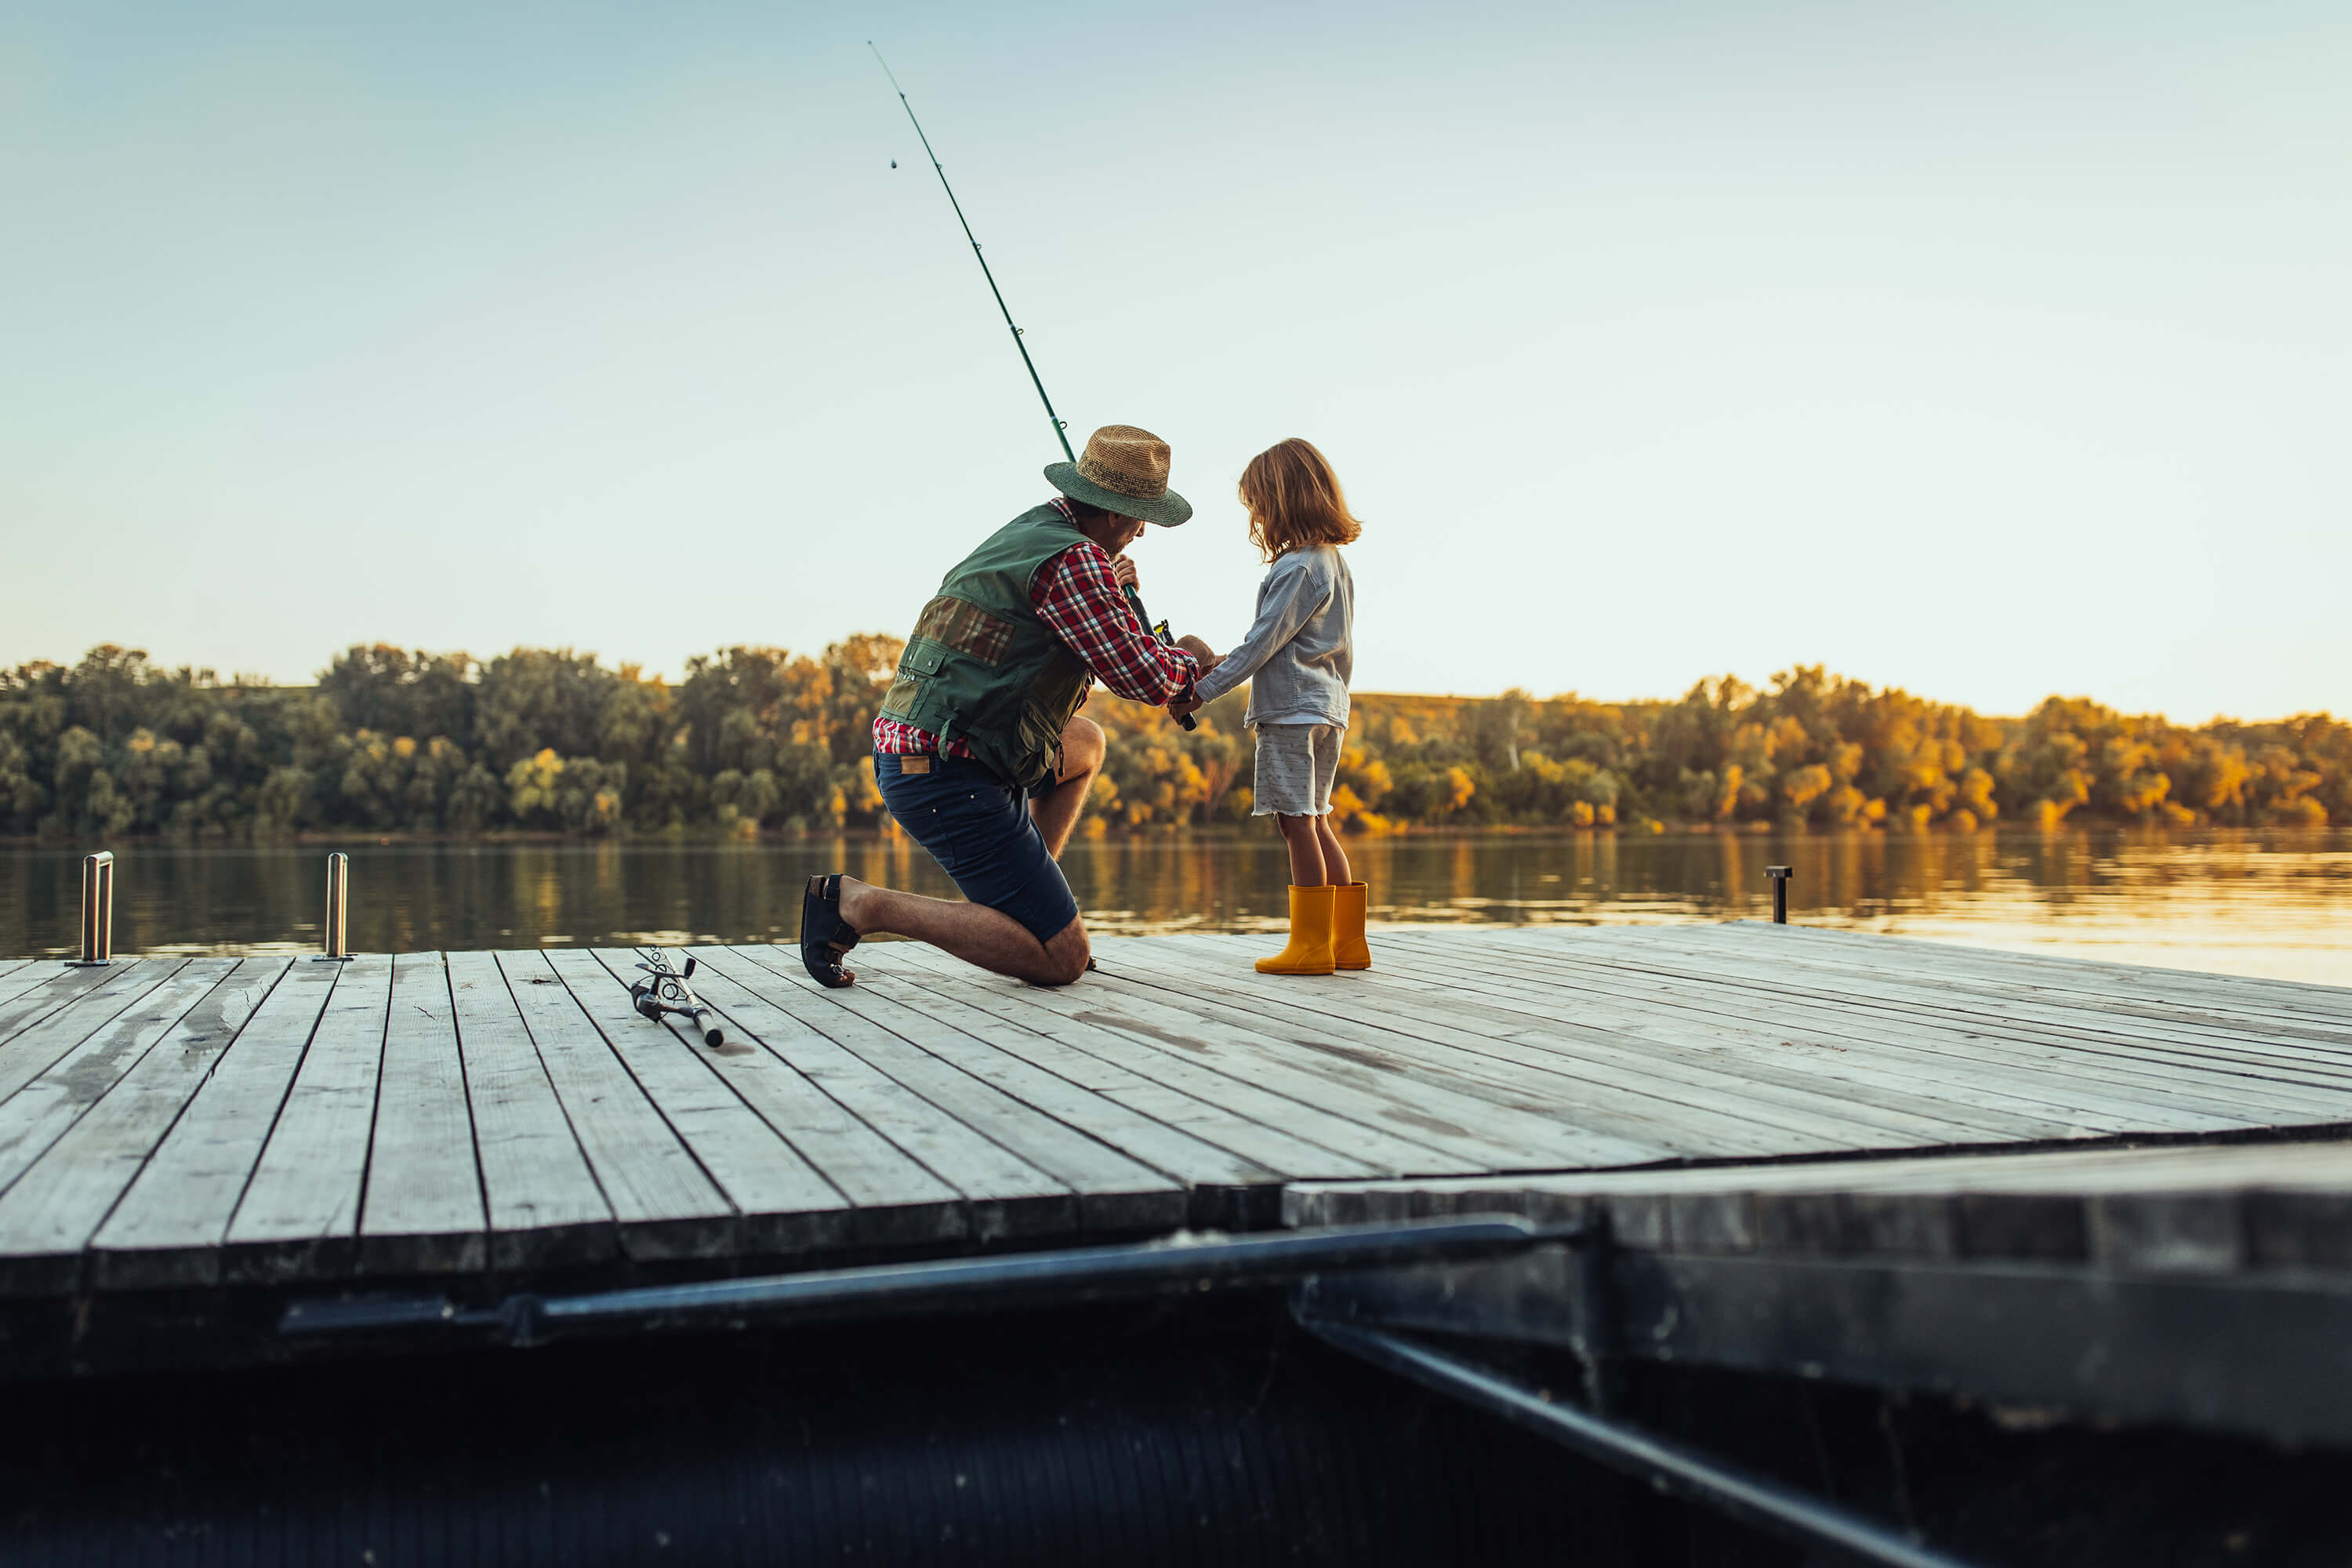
point(1082, 603)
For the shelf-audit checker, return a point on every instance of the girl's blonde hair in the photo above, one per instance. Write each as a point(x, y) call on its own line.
point(1294, 500)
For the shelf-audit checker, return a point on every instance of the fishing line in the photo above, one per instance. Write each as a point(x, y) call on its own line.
point(1061, 426)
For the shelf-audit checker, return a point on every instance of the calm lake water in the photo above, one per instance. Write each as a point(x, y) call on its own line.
point(2253, 902)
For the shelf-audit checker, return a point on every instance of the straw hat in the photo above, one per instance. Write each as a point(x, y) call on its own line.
point(1124, 470)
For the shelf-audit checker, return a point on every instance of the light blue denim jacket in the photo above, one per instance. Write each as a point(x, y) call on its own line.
point(1302, 649)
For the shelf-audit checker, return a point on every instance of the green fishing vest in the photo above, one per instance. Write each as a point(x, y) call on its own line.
point(982, 669)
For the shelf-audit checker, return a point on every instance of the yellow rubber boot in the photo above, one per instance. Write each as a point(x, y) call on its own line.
point(1309, 951)
point(1349, 948)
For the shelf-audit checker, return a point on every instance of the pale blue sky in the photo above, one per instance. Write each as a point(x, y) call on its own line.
point(1983, 349)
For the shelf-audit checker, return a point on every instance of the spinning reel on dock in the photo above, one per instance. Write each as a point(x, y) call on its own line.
point(666, 991)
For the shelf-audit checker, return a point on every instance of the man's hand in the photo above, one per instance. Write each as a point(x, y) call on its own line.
point(1180, 705)
point(1123, 569)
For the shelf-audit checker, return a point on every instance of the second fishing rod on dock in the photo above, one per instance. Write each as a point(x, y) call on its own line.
point(1061, 426)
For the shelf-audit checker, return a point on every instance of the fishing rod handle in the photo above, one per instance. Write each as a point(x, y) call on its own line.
point(1135, 603)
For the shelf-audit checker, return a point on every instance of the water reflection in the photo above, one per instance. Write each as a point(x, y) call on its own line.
point(2245, 901)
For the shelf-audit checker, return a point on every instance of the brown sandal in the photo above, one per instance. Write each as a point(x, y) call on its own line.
point(822, 930)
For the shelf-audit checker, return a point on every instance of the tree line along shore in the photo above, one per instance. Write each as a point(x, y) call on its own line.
point(755, 739)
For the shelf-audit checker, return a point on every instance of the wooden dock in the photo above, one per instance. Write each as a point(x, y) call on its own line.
point(170, 1122)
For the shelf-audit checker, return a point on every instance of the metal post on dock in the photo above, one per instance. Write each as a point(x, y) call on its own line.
point(97, 911)
point(1779, 875)
point(339, 899)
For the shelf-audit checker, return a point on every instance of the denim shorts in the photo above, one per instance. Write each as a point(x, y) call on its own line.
point(977, 828)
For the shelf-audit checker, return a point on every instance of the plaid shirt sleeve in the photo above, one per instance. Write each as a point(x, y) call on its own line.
point(1081, 602)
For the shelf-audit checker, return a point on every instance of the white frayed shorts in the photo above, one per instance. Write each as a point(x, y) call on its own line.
point(1296, 765)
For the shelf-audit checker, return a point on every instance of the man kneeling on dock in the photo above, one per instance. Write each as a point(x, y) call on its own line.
point(979, 748)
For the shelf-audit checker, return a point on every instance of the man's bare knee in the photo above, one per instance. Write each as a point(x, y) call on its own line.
point(1083, 746)
point(1065, 956)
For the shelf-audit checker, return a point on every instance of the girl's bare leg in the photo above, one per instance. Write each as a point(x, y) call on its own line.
point(1306, 847)
point(1335, 860)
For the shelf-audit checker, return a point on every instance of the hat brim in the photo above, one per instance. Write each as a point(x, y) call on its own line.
point(1169, 510)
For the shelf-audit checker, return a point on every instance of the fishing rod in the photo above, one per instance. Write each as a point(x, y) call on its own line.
point(1061, 426)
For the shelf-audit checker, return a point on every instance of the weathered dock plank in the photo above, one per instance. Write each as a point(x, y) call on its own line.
point(752, 1165)
point(22, 975)
point(422, 1210)
point(40, 1105)
point(1681, 1104)
point(854, 1184)
point(2241, 995)
point(298, 1216)
point(50, 988)
point(869, 1136)
point(664, 1203)
point(2038, 1094)
point(1281, 1052)
point(1804, 971)
point(980, 1120)
point(69, 1014)
point(168, 1227)
point(2155, 1033)
point(2002, 1053)
point(170, 1122)
point(976, 1042)
point(1767, 1093)
point(1084, 1054)
point(1277, 1097)
point(2228, 1002)
point(540, 1199)
point(111, 1107)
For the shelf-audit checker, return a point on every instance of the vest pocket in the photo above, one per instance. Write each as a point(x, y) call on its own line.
point(919, 662)
point(923, 657)
point(963, 626)
point(1039, 733)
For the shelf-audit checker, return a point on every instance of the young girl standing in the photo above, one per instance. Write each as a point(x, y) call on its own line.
point(1298, 656)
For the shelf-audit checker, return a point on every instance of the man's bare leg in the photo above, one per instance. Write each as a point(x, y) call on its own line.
point(974, 933)
point(1056, 812)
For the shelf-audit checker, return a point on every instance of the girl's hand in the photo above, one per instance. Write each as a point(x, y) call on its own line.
point(1122, 571)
